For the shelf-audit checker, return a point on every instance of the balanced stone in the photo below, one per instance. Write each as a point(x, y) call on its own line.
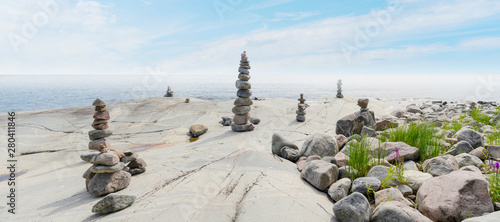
point(108, 159)
point(339, 89)
point(301, 111)
point(107, 169)
point(99, 144)
point(240, 110)
point(242, 128)
point(240, 84)
point(169, 93)
point(245, 93)
point(98, 102)
point(101, 115)
point(243, 102)
point(100, 108)
point(241, 119)
point(98, 134)
point(363, 103)
point(100, 124)
point(104, 183)
point(244, 77)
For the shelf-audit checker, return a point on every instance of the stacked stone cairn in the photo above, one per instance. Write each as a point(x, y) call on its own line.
point(339, 89)
point(109, 172)
point(358, 121)
point(170, 93)
point(301, 111)
point(242, 104)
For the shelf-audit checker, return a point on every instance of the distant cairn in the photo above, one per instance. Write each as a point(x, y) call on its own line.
point(242, 104)
point(339, 89)
point(170, 93)
point(301, 111)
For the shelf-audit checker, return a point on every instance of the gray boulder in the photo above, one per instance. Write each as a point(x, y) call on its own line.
point(440, 165)
point(410, 165)
point(320, 174)
point(391, 194)
point(405, 190)
point(416, 179)
point(368, 132)
point(393, 211)
point(283, 148)
point(361, 185)
point(353, 124)
point(460, 147)
point(104, 183)
point(474, 138)
point(492, 217)
point(339, 189)
point(112, 203)
point(413, 109)
point(319, 144)
point(380, 172)
point(347, 172)
point(456, 196)
point(353, 208)
point(465, 159)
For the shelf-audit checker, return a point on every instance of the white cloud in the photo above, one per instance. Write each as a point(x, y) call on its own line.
point(294, 16)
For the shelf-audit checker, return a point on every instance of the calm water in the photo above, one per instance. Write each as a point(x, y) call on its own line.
point(27, 93)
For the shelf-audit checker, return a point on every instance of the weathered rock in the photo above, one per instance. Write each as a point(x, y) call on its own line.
point(339, 189)
point(368, 132)
point(240, 110)
point(341, 141)
point(198, 130)
point(108, 159)
point(107, 169)
point(290, 153)
point(474, 138)
point(319, 144)
point(361, 184)
point(413, 109)
point(244, 93)
point(137, 171)
point(380, 172)
point(242, 128)
point(138, 163)
point(406, 152)
point(492, 217)
point(104, 183)
point(99, 134)
point(456, 196)
point(100, 108)
point(353, 208)
point(460, 147)
point(493, 150)
point(100, 124)
point(405, 190)
point(88, 174)
point(244, 77)
point(300, 118)
point(255, 121)
point(118, 153)
point(241, 119)
point(101, 115)
point(329, 159)
point(226, 121)
point(301, 163)
point(320, 174)
point(479, 152)
point(363, 103)
point(353, 124)
point(465, 159)
point(243, 102)
point(88, 156)
point(99, 144)
point(416, 178)
point(391, 194)
point(278, 142)
point(382, 125)
point(398, 113)
point(410, 165)
point(341, 159)
point(127, 158)
point(112, 203)
point(393, 211)
point(440, 165)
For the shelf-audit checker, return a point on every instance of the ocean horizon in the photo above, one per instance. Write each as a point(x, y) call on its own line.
point(41, 92)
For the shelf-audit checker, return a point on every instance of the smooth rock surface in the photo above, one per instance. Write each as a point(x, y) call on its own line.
point(465, 159)
point(474, 138)
point(361, 184)
point(319, 144)
point(393, 211)
point(440, 165)
point(339, 189)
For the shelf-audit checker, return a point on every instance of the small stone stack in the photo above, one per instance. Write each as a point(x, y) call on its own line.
point(301, 111)
point(170, 93)
point(242, 104)
point(339, 89)
point(106, 174)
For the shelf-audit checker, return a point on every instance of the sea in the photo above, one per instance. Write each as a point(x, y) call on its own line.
point(40, 92)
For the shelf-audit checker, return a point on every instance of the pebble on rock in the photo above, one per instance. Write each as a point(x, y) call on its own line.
point(112, 203)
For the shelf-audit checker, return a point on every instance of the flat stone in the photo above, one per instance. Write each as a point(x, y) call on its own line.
point(99, 134)
point(99, 145)
point(244, 93)
point(100, 108)
point(112, 203)
point(88, 156)
point(101, 115)
point(138, 163)
point(240, 110)
point(242, 128)
point(105, 183)
point(298, 112)
point(118, 153)
point(108, 159)
point(107, 169)
point(241, 119)
point(198, 130)
point(243, 101)
point(240, 84)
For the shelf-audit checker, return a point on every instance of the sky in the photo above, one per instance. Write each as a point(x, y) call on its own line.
point(281, 37)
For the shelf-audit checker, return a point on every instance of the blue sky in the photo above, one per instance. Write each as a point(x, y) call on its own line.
point(281, 37)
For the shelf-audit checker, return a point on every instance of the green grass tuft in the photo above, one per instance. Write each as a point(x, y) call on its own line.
point(479, 116)
point(359, 157)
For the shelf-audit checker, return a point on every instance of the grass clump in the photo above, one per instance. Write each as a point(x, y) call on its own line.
point(454, 125)
point(479, 116)
point(493, 138)
point(359, 158)
point(419, 135)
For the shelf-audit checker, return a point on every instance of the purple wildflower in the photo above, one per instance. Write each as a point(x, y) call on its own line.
point(397, 154)
point(497, 166)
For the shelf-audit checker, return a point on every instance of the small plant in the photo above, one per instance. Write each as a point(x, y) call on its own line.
point(395, 172)
point(493, 138)
point(370, 191)
point(497, 110)
point(359, 158)
point(494, 182)
point(419, 135)
point(454, 125)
